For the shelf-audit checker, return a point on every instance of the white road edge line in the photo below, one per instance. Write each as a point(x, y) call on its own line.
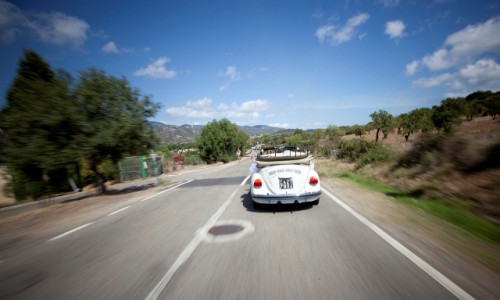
point(424, 266)
point(176, 186)
point(69, 232)
point(186, 253)
point(117, 211)
point(245, 180)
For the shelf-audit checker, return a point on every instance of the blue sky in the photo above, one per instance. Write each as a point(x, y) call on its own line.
point(291, 64)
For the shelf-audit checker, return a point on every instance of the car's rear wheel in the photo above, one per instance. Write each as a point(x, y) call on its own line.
point(256, 205)
point(315, 202)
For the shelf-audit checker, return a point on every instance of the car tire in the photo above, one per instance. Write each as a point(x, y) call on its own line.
point(315, 202)
point(256, 205)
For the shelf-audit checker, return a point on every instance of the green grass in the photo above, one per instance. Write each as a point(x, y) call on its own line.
point(451, 211)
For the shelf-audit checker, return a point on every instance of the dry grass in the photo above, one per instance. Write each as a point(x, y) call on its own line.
point(446, 173)
point(483, 130)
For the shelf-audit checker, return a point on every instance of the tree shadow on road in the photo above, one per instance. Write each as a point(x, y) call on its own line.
point(247, 202)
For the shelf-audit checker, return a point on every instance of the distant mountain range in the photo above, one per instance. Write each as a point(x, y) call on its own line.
point(186, 133)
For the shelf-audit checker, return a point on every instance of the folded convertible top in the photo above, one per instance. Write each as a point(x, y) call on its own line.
point(282, 160)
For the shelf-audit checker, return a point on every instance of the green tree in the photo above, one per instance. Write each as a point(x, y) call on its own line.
point(333, 133)
point(358, 130)
point(113, 119)
point(459, 106)
point(493, 105)
point(266, 138)
point(444, 118)
point(450, 113)
point(416, 120)
point(220, 140)
point(39, 128)
point(382, 121)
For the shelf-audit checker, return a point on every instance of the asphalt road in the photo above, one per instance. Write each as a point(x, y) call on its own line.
point(204, 240)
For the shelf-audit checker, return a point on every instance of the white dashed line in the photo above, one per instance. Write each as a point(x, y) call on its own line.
point(117, 211)
point(424, 266)
point(152, 196)
point(245, 180)
point(69, 232)
point(186, 253)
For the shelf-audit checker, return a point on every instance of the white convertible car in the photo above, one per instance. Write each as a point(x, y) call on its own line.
point(284, 175)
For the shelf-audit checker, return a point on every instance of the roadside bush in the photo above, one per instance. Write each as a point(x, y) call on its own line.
point(376, 154)
point(23, 188)
point(110, 170)
point(353, 150)
point(228, 158)
point(419, 154)
point(107, 168)
point(194, 159)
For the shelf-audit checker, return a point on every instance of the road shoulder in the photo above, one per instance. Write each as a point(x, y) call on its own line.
point(444, 246)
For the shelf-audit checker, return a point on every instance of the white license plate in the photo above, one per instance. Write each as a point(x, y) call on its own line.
point(286, 183)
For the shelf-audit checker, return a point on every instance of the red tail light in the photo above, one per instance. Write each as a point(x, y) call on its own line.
point(313, 180)
point(257, 183)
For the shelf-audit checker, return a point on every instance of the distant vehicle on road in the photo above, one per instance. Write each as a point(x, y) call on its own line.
point(284, 175)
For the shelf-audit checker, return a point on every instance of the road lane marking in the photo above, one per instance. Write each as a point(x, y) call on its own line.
point(245, 180)
point(69, 232)
point(117, 211)
point(159, 193)
point(424, 266)
point(186, 253)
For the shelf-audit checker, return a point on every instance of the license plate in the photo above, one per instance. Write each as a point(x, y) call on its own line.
point(286, 183)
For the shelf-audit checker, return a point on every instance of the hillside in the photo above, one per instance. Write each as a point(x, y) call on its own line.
point(185, 133)
point(464, 165)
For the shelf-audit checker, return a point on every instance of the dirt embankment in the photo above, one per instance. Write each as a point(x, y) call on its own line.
point(464, 166)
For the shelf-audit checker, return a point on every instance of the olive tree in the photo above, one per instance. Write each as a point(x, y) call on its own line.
point(382, 121)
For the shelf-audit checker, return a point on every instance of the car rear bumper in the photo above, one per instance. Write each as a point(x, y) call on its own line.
point(286, 199)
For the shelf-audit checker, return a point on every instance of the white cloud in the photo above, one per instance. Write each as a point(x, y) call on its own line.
point(434, 81)
point(232, 73)
point(157, 70)
point(317, 14)
point(280, 125)
point(11, 19)
point(54, 28)
point(110, 47)
point(336, 36)
point(201, 103)
point(323, 32)
point(60, 29)
point(395, 29)
point(484, 74)
point(254, 105)
point(466, 45)
point(203, 108)
point(389, 3)
point(468, 56)
point(412, 67)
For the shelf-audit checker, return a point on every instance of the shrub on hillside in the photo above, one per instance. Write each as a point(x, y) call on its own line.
point(419, 154)
point(376, 154)
point(194, 159)
point(354, 150)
